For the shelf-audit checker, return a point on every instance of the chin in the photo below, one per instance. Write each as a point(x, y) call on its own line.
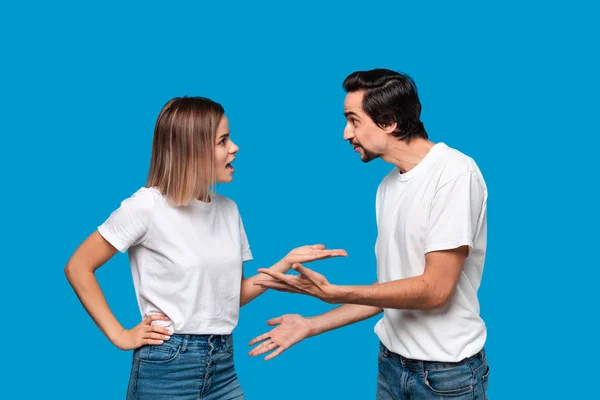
point(368, 157)
point(225, 179)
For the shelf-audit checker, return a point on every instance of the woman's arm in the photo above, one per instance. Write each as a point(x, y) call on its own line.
point(91, 255)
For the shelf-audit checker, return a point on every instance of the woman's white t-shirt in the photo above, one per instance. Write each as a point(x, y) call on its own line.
point(186, 261)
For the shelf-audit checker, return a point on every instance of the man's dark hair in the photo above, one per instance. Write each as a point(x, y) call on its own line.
point(389, 97)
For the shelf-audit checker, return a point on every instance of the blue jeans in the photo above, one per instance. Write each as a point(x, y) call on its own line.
point(198, 367)
point(402, 379)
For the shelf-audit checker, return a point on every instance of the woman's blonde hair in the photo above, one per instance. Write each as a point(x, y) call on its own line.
point(182, 165)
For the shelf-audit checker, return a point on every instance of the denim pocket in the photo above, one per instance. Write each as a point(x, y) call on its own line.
point(450, 382)
point(163, 353)
point(484, 381)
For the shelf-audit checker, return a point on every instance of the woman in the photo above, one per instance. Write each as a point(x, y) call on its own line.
point(186, 248)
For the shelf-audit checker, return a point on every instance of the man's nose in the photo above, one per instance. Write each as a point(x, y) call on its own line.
point(348, 134)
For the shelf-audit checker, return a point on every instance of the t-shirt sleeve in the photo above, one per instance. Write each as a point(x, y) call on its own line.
point(245, 246)
point(455, 213)
point(127, 225)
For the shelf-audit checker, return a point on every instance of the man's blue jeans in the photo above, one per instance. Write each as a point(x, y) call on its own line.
point(402, 379)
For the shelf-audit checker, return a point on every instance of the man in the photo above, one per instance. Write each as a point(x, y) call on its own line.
point(431, 221)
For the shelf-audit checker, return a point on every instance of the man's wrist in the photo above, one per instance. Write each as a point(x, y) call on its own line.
point(340, 294)
point(313, 326)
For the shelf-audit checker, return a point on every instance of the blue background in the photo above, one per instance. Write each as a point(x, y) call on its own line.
point(513, 85)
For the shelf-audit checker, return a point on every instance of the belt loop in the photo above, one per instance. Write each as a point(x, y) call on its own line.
point(184, 345)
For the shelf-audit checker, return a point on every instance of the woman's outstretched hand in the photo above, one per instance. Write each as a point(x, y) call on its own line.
point(310, 253)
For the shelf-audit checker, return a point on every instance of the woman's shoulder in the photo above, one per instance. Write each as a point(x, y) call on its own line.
point(142, 199)
point(225, 202)
point(147, 196)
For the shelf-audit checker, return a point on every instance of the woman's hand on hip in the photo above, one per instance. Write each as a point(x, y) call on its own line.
point(143, 334)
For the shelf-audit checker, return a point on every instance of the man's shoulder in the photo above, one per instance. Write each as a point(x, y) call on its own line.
point(453, 163)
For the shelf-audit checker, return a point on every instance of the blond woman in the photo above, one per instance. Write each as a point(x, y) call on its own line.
point(186, 246)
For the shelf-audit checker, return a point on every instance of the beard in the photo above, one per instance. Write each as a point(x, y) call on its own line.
point(367, 155)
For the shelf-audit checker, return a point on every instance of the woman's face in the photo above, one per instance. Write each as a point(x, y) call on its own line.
point(225, 151)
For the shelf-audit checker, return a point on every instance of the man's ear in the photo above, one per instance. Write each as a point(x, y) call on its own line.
point(389, 128)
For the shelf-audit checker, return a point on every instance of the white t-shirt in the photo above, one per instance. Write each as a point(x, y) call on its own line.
point(440, 204)
point(186, 261)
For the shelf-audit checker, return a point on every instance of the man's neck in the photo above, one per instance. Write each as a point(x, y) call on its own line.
point(405, 155)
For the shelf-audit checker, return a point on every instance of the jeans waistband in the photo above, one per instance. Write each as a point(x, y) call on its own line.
point(200, 341)
point(430, 365)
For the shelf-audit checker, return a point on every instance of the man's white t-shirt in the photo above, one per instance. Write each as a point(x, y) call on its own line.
point(440, 204)
point(186, 261)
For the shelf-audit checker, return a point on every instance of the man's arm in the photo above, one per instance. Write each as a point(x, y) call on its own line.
point(293, 328)
point(432, 289)
point(341, 316)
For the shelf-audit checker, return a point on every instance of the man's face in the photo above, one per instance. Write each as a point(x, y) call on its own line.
point(364, 135)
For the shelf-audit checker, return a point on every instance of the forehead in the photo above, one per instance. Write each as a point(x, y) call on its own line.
point(353, 102)
point(223, 125)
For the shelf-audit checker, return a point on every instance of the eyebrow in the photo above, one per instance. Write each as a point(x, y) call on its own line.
point(348, 113)
point(223, 135)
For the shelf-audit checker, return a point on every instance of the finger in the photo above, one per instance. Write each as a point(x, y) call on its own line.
point(154, 317)
point(160, 329)
point(271, 346)
point(153, 342)
point(260, 338)
point(275, 321)
point(262, 348)
point(339, 253)
point(310, 274)
point(262, 283)
point(278, 277)
point(274, 354)
point(320, 254)
point(313, 256)
point(317, 246)
point(282, 287)
point(157, 336)
point(330, 251)
point(274, 274)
